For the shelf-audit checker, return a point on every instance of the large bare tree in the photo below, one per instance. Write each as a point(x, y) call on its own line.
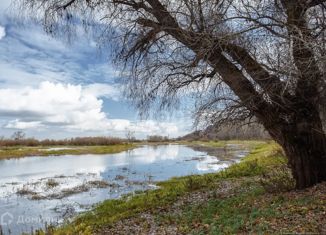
point(237, 58)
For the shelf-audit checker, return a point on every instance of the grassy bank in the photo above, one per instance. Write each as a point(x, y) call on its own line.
point(17, 151)
point(253, 196)
point(222, 143)
point(23, 151)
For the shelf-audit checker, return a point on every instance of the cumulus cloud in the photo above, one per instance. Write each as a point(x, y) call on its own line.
point(72, 107)
point(51, 103)
point(103, 90)
point(2, 32)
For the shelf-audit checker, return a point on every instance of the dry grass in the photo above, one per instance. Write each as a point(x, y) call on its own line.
point(23, 151)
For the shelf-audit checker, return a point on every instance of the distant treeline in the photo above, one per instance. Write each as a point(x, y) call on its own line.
point(157, 138)
point(78, 141)
point(229, 132)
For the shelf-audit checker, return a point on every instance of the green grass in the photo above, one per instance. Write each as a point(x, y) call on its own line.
point(253, 211)
point(231, 215)
point(110, 211)
point(23, 151)
point(223, 143)
point(225, 216)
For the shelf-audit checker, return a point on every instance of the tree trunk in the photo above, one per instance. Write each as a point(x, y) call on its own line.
point(304, 144)
point(307, 159)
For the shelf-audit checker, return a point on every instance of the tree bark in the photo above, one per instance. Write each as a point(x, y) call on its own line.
point(304, 144)
point(306, 155)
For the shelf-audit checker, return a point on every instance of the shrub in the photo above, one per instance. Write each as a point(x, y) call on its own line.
point(277, 179)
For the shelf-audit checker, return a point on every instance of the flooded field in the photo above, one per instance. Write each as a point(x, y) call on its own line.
point(35, 191)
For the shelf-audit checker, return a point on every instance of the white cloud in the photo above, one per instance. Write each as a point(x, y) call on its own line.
point(103, 90)
point(71, 107)
point(49, 59)
point(16, 124)
point(52, 104)
point(154, 127)
point(2, 32)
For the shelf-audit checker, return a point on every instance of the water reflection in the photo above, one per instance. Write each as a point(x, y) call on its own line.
point(58, 186)
point(211, 163)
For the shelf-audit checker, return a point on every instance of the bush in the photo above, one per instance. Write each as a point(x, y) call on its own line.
point(277, 179)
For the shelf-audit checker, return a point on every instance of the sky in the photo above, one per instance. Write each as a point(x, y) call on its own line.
point(52, 89)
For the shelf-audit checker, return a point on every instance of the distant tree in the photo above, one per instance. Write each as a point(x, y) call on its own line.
point(130, 135)
point(18, 135)
point(237, 58)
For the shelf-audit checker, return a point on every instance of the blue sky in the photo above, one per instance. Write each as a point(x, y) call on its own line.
point(52, 89)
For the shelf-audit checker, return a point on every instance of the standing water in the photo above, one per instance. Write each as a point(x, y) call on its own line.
point(35, 191)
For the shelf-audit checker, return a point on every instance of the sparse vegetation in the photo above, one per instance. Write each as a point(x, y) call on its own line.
point(99, 184)
point(51, 183)
point(25, 191)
